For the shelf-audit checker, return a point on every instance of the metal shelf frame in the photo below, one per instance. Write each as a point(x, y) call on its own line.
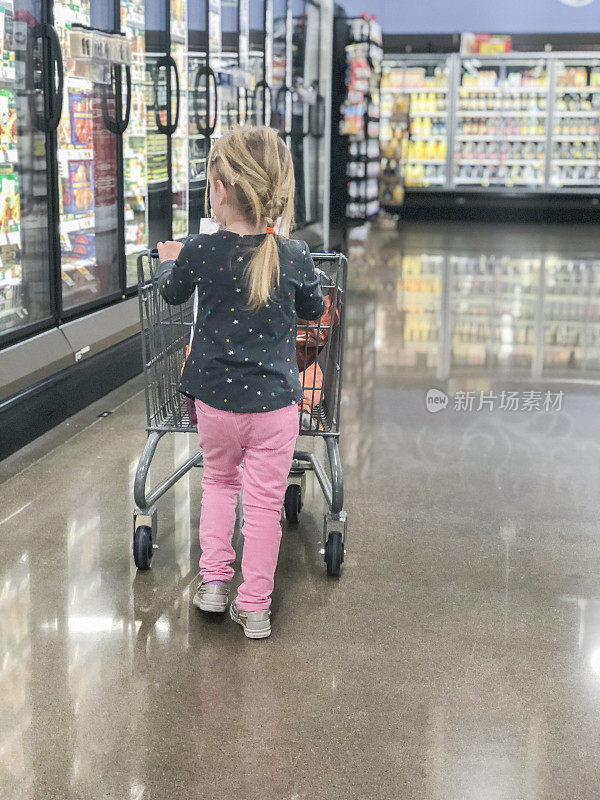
point(454, 64)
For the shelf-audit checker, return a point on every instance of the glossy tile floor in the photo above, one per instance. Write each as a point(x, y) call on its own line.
point(457, 658)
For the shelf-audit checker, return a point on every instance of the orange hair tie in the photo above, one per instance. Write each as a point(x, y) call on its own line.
point(270, 230)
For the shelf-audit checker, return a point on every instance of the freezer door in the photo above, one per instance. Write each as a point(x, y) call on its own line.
point(24, 259)
point(135, 170)
point(280, 90)
point(158, 122)
point(259, 102)
point(178, 75)
point(202, 116)
point(574, 126)
point(227, 66)
point(305, 93)
point(87, 163)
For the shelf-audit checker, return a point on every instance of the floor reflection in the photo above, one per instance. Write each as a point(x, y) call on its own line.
point(462, 308)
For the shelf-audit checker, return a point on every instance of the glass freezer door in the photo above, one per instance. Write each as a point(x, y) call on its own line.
point(179, 115)
point(280, 90)
point(87, 164)
point(24, 260)
point(158, 123)
point(258, 90)
point(202, 108)
point(298, 95)
point(135, 172)
point(575, 132)
point(230, 78)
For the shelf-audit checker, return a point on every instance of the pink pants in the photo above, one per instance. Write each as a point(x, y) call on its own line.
point(264, 442)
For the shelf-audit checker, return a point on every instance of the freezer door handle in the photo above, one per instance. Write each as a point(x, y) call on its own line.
point(266, 89)
point(163, 61)
point(57, 69)
point(124, 123)
point(110, 124)
point(212, 77)
point(202, 128)
point(172, 65)
point(242, 92)
point(52, 94)
point(283, 93)
point(207, 128)
point(317, 116)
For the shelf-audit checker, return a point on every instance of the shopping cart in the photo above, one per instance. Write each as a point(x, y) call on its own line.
point(165, 331)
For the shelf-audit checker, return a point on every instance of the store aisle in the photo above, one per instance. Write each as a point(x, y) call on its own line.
point(457, 657)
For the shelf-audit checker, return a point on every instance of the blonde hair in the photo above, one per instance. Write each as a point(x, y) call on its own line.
point(256, 168)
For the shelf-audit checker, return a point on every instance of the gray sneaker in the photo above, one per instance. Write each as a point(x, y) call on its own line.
point(211, 597)
point(256, 624)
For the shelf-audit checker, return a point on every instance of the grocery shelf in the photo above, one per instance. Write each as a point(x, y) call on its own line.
point(499, 161)
point(494, 137)
point(577, 89)
point(418, 137)
point(576, 161)
point(425, 161)
point(506, 183)
point(462, 112)
point(75, 154)
point(12, 237)
point(413, 90)
point(575, 114)
point(9, 156)
point(79, 224)
point(563, 137)
point(463, 90)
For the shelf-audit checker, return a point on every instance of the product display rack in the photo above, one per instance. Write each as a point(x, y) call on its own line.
point(424, 87)
point(356, 120)
point(519, 124)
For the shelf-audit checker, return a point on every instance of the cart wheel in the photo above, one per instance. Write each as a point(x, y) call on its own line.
point(142, 547)
point(334, 553)
point(293, 503)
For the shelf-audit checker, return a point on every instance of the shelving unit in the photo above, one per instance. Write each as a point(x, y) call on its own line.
point(515, 123)
point(359, 123)
point(424, 88)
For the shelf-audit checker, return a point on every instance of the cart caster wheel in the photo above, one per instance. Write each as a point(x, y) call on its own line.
point(334, 553)
point(142, 547)
point(293, 503)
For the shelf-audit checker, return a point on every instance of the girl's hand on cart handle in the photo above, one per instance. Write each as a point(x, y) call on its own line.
point(168, 251)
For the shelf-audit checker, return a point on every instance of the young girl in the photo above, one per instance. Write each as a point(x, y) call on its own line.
point(241, 369)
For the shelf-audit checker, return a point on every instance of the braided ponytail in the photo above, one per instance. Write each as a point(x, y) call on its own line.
point(258, 167)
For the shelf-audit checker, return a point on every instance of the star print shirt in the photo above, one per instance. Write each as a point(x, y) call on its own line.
point(241, 360)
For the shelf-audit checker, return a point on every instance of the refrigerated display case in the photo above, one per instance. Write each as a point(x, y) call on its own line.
point(127, 166)
point(135, 170)
point(166, 119)
point(500, 131)
point(231, 81)
point(421, 91)
point(204, 56)
point(258, 99)
point(28, 111)
point(518, 123)
point(575, 129)
point(280, 49)
point(307, 106)
point(87, 143)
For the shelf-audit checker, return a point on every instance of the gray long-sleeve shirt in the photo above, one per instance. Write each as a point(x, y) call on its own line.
point(241, 360)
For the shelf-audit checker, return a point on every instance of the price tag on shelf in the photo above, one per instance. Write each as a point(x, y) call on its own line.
point(67, 278)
